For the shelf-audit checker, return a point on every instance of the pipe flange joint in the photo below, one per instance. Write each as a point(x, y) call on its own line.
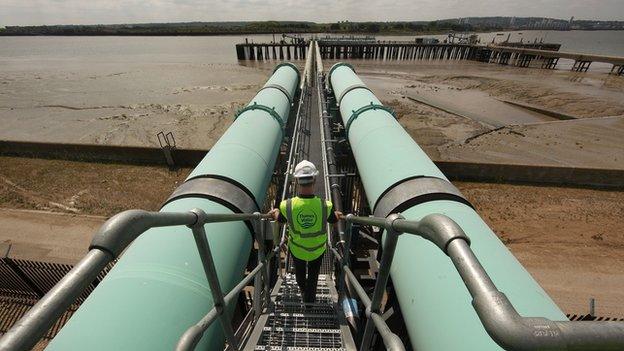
point(348, 90)
point(359, 111)
point(280, 88)
point(120, 230)
point(257, 106)
point(331, 70)
point(441, 230)
point(201, 218)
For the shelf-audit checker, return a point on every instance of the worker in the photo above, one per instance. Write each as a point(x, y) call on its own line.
point(307, 216)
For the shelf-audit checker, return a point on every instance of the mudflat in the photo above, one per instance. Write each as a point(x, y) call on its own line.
point(569, 239)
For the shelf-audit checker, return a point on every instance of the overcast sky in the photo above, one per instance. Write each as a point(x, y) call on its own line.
point(34, 12)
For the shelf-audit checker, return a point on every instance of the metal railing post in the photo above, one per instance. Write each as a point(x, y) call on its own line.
point(261, 232)
point(347, 243)
point(205, 254)
point(346, 257)
point(256, 305)
point(392, 237)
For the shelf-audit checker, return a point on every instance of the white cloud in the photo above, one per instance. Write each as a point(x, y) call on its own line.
point(24, 12)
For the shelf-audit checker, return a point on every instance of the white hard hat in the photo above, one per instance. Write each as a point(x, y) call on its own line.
point(305, 172)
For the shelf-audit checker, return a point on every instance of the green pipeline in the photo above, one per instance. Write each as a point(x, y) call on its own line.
point(158, 288)
point(436, 305)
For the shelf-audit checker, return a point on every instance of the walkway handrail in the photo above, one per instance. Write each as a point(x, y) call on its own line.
point(391, 340)
point(500, 319)
point(107, 244)
point(189, 340)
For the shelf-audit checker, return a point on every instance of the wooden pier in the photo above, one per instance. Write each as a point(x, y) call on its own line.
point(397, 51)
point(271, 51)
point(521, 56)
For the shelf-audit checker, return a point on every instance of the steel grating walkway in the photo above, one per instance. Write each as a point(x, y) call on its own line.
point(288, 324)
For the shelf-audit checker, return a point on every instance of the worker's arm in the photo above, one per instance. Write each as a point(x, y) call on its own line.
point(277, 215)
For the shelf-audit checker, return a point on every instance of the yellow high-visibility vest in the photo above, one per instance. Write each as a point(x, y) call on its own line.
point(307, 226)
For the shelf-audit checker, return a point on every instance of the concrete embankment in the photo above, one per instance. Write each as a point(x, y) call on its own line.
point(139, 155)
point(456, 170)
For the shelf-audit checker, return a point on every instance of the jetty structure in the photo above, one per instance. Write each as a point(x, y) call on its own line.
point(210, 272)
point(520, 54)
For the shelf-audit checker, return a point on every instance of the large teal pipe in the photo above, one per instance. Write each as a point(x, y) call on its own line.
point(158, 288)
point(435, 304)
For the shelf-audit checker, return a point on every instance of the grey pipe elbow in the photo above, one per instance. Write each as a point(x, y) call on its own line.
point(441, 230)
point(121, 229)
point(395, 343)
point(513, 332)
point(593, 335)
point(190, 339)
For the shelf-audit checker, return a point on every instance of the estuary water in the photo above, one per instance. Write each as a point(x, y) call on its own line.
point(124, 90)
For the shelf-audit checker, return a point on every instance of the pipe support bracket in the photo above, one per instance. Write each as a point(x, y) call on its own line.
point(257, 106)
point(359, 111)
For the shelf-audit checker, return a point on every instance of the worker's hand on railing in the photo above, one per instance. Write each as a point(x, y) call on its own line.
point(274, 213)
point(340, 215)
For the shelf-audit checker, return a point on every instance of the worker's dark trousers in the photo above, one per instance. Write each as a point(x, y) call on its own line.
point(307, 285)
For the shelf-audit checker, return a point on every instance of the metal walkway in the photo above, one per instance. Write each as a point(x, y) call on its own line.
point(288, 324)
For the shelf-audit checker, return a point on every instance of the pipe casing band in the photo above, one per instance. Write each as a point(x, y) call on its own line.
point(348, 89)
point(219, 190)
point(271, 111)
point(413, 191)
point(363, 109)
point(339, 64)
point(280, 88)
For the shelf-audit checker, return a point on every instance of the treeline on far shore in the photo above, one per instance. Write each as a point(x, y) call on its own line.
point(468, 24)
point(225, 28)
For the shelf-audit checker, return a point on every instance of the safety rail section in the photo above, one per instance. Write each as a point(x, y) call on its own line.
point(111, 240)
point(501, 320)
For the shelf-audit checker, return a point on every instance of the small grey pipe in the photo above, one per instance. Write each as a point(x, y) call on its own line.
point(25, 334)
point(514, 332)
point(500, 319)
point(390, 339)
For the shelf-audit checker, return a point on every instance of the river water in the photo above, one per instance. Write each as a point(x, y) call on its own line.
point(124, 90)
